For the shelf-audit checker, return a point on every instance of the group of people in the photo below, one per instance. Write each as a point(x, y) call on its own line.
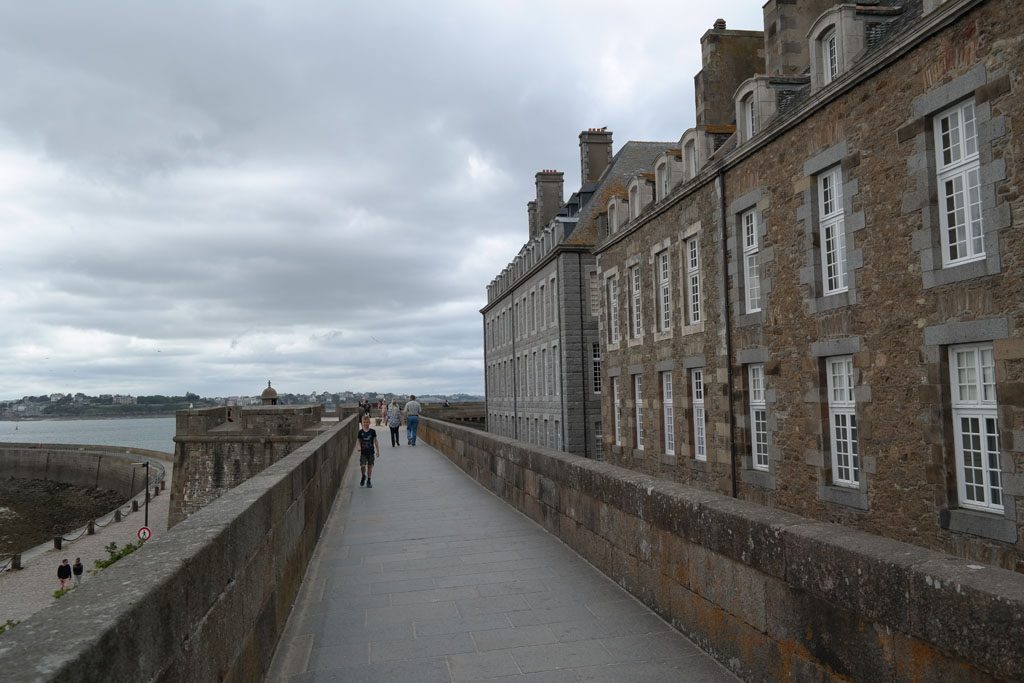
point(65, 571)
point(369, 446)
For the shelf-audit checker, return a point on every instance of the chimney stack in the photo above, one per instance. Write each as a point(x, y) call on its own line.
point(728, 57)
point(549, 199)
point(786, 23)
point(595, 153)
point(531, 214)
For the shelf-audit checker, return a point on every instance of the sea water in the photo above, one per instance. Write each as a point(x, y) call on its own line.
point(152, 433)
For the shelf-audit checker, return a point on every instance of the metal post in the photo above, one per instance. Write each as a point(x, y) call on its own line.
point(57, 540)
point(147, 493)
point(16, 562)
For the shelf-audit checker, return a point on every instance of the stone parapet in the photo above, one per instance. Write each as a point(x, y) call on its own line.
point(205, 601)
point(772, 595)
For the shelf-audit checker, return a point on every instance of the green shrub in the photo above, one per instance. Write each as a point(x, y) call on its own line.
point(61, 592)
point(114, 554)
point(7, 626)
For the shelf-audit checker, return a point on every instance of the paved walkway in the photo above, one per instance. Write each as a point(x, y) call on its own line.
point(24, 592)
point(428, 577)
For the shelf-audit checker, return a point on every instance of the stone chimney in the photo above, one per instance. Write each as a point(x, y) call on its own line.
point(549, 199)
point(531, 216)
point(786, 23)
point(728, 58)
point(595, 153)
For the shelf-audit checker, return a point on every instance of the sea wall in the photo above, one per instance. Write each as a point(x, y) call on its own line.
point(102, 467)
point(205, 601)
point(771, 595)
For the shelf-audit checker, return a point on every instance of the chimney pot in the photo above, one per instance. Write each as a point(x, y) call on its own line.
point(719, 24)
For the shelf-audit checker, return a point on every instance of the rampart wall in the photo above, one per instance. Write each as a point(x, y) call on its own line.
point(103, 467)
point(205, 601)
point(772, 595)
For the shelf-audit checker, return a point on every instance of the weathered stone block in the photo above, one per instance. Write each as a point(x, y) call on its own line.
point(746, 532)
point(733, 586)
point(850, 568)
point(972, 610)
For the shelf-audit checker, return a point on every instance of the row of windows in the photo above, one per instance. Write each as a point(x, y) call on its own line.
point(538, 373)
point(958, 180)
point(689, 274)
point(974, 411)
point(535, 311)
point(540, 431)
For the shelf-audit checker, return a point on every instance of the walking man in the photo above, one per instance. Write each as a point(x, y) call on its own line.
point(369, 448)
point(412, 419)
point(77, 569)
point(64, 573)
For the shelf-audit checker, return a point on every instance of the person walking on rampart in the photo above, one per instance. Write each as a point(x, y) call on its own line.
point(77, 569)
point(412, 418)
point(369, 449)
point(64, 573)
point(394, 416)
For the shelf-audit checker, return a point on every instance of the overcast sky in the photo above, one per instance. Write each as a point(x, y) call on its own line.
point(204, 195)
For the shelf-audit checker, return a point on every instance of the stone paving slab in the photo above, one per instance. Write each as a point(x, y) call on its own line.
point(428, 577)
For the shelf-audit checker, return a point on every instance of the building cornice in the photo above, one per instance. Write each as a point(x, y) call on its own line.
point(555, 252)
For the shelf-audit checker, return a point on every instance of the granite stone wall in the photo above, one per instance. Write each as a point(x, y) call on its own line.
point(207, 600)
point(772, 595)
point(111, 468)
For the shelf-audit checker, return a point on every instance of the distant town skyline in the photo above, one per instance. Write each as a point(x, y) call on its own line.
point(200, 195)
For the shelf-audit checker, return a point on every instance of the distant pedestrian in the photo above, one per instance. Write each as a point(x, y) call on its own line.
point(77, 569)
point(412, 418)
point(394, 422)
point(369, 449)
point(64, 573)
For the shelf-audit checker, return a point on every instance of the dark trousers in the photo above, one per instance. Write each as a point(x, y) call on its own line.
point(394, 436)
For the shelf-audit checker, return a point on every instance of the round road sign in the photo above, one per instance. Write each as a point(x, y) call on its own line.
point(144, 533)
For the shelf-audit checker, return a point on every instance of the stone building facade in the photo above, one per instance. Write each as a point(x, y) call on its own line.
point(541, 351)
point(216, 449)
point(820, 304)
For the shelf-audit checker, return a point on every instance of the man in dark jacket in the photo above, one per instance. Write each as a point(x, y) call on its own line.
point(64, 573)
point(77, 569)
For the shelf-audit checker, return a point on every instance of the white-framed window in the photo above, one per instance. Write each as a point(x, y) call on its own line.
point(663, 265)
point(690, 158)
point(668, 412)
point(751, 269)
point(829, 56)
point(700, 445)
point(546, 371)
point(616, 411)
point(533, 311)
point(547, 440)
point(842, 416)
point(556, 370)
point(613, 219)
point(976, 427)
point(959, 180)
point(543, 307)
point(661, 180)
point(595, 356)
point(558, 436)
point(832, 230)
point(598, 438)
point(748, 106)
point(612, 289)
point(638, 394)
point(635, 318)
point(758, 417)
point(692, 255)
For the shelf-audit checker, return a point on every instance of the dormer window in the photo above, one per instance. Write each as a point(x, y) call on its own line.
point(829, 56)
point(690, 159)
point(755, 106)
point(661, 180)
point(634, 201)
point(836, 39)
point(749, 109)
point(613, 218)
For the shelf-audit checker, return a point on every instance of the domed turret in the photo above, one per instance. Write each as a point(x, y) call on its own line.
point(269, 395)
